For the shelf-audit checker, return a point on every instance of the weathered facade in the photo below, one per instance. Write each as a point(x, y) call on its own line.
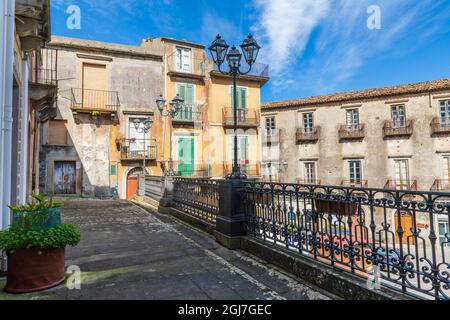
point(92, 147)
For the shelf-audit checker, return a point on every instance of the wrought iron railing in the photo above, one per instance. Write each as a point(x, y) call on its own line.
point(258, 69)
point(197, 197)
point(245, 117)
point(44, 66)
point(308, 134)
point(190, 66)
point(361, 231)
point(95, 100)
point(309, 181)
point(133, 149)
point(401, 184)
point(253, 170)
point(188, 114)
point(398, 128)
point(441, 185)
point(199, 171)
point(348, 132)
point(355, 183)
point(271, 136)
point(154, 187)
point(440, 125)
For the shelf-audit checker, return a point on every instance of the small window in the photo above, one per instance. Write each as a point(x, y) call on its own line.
point(445, 112)
point(57, 133)
point(270, 124)
point(398, 116)
point(308, 122)
point(355, 174)
point(446, 162)
point(444, 233)
point(353, 118)
point(310, 172)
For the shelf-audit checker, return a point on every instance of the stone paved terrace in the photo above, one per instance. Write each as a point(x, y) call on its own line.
point(131, 253)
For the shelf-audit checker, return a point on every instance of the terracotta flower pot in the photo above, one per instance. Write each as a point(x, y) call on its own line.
point(31, 270)
point(334, 207)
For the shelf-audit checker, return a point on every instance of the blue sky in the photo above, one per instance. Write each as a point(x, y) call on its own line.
point(313, 47)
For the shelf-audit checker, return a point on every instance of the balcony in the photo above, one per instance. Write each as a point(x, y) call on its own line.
point(398, 128)
point(194, 69)
point(355, 183)
point(309, 135)
point(440, 125)
point(188, 115)
point(251, 170)
point(309, 181)
point(199, 171)
point(88, 100)
point(138, 149)
point(410, 185)
point(246, 118)
point(441, 185)
point(44, 67)
point(270, 137)
point(352, 132)
point(259, 70)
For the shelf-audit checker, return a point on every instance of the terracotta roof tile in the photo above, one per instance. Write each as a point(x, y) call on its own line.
point(414, 88)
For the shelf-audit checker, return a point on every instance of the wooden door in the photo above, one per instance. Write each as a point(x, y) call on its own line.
point(95, 86)
point(64, 177)
point(132, 187)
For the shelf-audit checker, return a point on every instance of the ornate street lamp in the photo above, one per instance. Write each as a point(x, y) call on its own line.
point(170, 111)
point(219, 52)
point(147, 125)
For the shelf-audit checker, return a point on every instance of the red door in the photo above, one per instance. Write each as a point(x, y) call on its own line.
point(132, 187)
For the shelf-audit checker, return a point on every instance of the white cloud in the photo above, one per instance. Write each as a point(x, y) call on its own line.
point(342, 42)
point(285, 27)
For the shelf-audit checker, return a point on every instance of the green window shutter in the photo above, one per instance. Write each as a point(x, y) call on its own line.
point(231, 98)
point(181, 90)
point(190, 93)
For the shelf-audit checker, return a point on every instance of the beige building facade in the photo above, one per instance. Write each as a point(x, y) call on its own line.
point(395, 137)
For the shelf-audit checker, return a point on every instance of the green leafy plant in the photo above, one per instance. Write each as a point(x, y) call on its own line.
point(39, 203)
point(96, 113)
point(56, 237)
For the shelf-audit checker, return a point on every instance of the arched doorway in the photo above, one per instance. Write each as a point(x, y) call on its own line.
point(133, 182)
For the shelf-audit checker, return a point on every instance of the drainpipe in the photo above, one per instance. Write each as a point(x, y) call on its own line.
point(24, 147)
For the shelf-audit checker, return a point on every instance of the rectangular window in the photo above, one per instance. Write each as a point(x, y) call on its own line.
point(310, 172)
point(443, 231)
point(353, 119)
point(398, 116)
point(445, 112)
point(241, 97)
point(183, 60)
point(308, 122)
point(446, 160)
point(355, 175)
point(136, 138)
point(242, 149)
point(270, 124)
point(57, 133)
point(402, 174)
point(187, 93)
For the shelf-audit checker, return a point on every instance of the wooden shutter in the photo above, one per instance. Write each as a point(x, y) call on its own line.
point(57, 133)
point(189, 95)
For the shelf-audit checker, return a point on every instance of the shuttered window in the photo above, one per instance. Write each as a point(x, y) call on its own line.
point(241, 97)
point(57, 133)
point(187, 92)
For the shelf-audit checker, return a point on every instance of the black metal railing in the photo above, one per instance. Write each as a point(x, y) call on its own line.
point(380, 234)
point(245, 117)
point(188, 114)
point(257, 70)
point(133, 149)
point(44, 66)
point(197, 197)
point(95, 100)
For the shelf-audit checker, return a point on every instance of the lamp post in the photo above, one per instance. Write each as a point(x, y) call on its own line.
point(219, 52)
point(145, 129)
point(170, 111)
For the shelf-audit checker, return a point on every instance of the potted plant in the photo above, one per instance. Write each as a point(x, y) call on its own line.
point(95, 114)
point(35, 246)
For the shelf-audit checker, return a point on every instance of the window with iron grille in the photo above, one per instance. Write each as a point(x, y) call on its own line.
point(270, 124)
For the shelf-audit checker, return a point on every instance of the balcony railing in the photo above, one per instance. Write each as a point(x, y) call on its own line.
point(398, 128)
point(188, 114)
point(309, 181)
point(355, 183)
point(44, 66)
point(95, 100)
point(308, 134)
point(271, 136)
point(401, 184)
point(252, 170)
point(350, 132)
point(199, 171)
point(138, 149)
point(441, 185)
point(245, 117)
point(258, 69)
point(192, 67)
point(440, 125)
